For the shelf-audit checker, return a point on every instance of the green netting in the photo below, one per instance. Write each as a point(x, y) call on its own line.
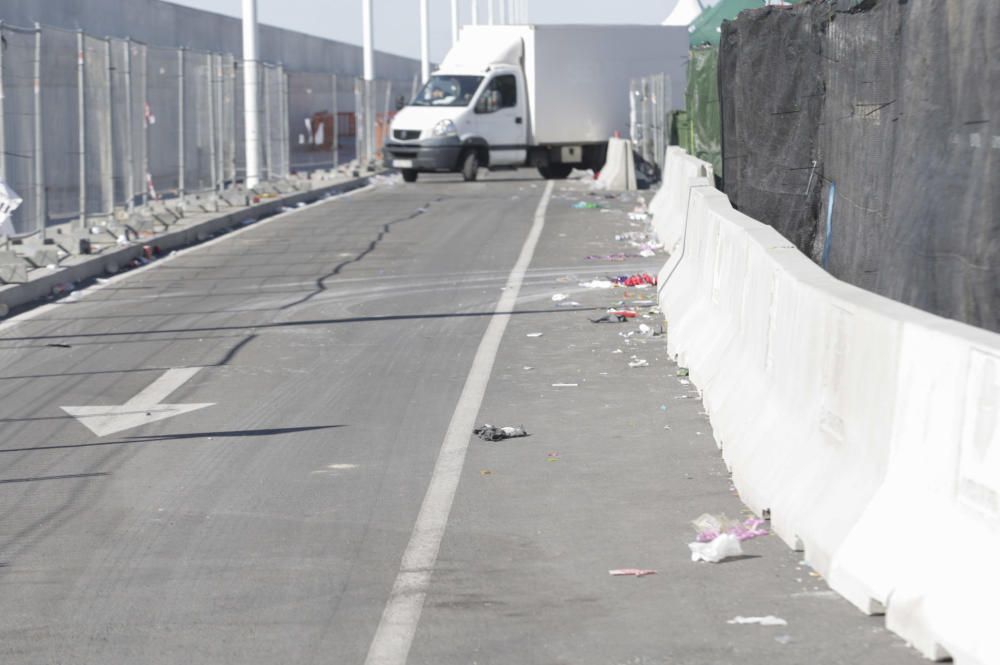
point(680, 130)
point(706, 29)
point(704, 117)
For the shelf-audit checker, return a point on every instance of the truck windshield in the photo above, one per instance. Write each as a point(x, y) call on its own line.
point(448, 91)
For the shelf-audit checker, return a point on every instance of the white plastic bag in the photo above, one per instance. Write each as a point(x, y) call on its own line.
point(722, 547)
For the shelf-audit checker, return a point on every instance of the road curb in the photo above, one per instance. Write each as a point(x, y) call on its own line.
point(84, 268)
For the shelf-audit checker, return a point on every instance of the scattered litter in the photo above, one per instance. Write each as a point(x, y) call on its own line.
point(617, 351)
point(534, 334)
point(597, 284)
point(721, 548)
point(638, 362)
point(565, 385)
point(587, 205)
point(631, 572)
point(552, 457)
point(527, 368)
point(643, 303)
point(612, 257)
point(709, 527)
point(682, 371)
point(485, 472)
point(646, 253)
point(763, 621)
point(783, 639)
point(615, 316)
point(558, 297)
point(638, 280)
point(632, 236)
point(491, 433)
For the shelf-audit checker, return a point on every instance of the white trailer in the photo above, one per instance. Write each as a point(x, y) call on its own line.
point(545, 96)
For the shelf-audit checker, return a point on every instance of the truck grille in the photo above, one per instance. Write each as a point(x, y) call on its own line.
point(405, 134)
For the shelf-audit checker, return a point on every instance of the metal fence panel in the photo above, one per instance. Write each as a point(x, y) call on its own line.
point(163, 122)
point(19, 128)
point(197, 123)
point(91, 128)
point(59, 122)
point(310, 114)
point(97, 172)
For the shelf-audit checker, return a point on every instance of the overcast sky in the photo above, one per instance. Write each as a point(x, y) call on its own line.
point(397, 22)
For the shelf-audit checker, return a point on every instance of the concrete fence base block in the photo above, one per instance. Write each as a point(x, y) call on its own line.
point(618, 173)
point(870, 430)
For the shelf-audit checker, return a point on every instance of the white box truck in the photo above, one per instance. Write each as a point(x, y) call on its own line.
point(544, 96)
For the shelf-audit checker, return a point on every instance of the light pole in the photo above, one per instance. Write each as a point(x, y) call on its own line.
point(425, 39)
point(251, 120)
point(368, 41)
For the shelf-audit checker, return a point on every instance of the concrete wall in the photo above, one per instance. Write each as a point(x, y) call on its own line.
point(869, 429)
point(160, 23)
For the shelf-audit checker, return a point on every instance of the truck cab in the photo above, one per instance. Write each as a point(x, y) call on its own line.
point(461, 122)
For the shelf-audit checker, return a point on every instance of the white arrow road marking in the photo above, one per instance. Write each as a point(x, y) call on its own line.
point(142, 409)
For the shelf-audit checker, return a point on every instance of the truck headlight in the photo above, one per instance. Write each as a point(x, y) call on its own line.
point(444, 128)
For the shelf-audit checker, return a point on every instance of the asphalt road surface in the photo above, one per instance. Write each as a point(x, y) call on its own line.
point(257, 451)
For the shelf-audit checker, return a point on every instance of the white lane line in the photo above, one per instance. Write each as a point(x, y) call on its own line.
point(110, 281)
point(394, 635)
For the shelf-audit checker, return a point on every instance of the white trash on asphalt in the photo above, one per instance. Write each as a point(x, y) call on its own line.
point(720, 549)
point(762, 621)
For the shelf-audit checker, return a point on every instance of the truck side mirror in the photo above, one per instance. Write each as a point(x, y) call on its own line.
point(489, 102)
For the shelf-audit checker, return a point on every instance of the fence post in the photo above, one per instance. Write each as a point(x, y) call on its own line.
point(268, 150)
point(230, 87)
point(334, 129)
point(385, 117)
point(213, 174)
point(3, 121)
point(127, 143)
point(180, 125)
point(108, 176)
point(40, 203)
point(286, 141)
point(146, 176)
point(81, 99)
point(216, 76)
point(358, 123)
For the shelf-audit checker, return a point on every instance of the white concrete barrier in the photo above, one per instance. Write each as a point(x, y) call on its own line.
point(869, 429)
point(618, 172)
point(670, 202)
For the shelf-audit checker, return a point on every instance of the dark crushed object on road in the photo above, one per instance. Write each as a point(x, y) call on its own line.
point(615, 316)
point(491, 433)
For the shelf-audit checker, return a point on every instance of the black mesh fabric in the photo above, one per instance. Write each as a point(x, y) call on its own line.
point(894, 101)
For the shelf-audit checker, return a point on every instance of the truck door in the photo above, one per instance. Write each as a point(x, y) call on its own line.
point(502, 121)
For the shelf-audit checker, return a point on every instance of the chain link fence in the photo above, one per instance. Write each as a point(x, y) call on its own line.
point(104, 132)
point(650, 109)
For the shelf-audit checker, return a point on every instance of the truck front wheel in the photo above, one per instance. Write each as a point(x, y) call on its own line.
point(555, 171)
point(409, 175)
point(470, 166)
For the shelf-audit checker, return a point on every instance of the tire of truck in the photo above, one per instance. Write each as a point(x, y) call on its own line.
point(470, 166)
point(555, 171)
point(409, 175)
